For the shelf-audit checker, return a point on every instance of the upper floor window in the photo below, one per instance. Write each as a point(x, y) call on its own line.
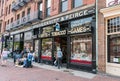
point(64, 5)
point(9, 9)
point(23, 13)
point(77, 3)
point(6, 10)
point(28, 10)
point(8, 21)
point(18, 16)
point(40, 6)
point(11, 20)
point(48, 7)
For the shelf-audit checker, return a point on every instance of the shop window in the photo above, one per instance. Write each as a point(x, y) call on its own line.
point(113, 25)
point(17, 42)
point(64, 5)
point(81, 49)
point(48, 7)
point(46, 49)
point(114, 48)
point(77, 3)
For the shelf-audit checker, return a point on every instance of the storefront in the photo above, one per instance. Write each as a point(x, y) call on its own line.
point(112, 28)
point(75, 37)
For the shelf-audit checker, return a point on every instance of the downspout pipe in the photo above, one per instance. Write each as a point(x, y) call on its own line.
point(96, 6)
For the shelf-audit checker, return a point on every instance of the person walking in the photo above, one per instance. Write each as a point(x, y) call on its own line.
point(59, 57)
point(4, 57)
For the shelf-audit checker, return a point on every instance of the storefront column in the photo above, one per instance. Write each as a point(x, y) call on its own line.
point(68, 50)
point(39, 51)
point(53, 50)
point(94, 69)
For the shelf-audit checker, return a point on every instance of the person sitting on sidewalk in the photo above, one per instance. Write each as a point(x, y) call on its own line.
point(28, 61)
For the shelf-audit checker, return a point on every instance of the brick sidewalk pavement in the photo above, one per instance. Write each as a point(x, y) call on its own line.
point(12, 73)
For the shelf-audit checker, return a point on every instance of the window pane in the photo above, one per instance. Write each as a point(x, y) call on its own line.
point(114, 48)
point(40, 7)
point(64, 5)
point(46, 48)
point(48, 3)
point(48, 12)
point(81, 49)
point(78, 3)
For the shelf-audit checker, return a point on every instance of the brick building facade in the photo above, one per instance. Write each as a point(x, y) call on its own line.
point(32, 24)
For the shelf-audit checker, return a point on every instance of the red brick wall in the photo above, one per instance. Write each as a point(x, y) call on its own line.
point(101, 39)
point(54, 7)
point(89, 1)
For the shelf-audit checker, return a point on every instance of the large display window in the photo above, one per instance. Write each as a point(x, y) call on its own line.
point(114, 48)
point(46, 43)
point(81, 49)
point(28, 41)
point(46, 49)
point(17, 42)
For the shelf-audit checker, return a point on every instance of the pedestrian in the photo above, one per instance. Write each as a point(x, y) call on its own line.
point(4, 57)
point(59, 57)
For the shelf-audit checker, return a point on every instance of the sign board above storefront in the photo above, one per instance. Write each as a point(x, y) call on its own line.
point(66, 17)
point(75, 30)
point(110, 3)
point(44, 35)
point(27, 35)
point(58, 33)
point(35, 36)
point(79, 30)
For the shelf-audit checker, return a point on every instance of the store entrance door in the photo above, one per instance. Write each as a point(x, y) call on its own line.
point(62, 43)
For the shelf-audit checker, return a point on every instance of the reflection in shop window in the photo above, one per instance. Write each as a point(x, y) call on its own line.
point(81, 49)
point(46, 48)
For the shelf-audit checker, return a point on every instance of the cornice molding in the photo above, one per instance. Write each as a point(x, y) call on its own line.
point(111, 11)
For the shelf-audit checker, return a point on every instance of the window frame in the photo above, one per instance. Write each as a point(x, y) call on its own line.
point(48, 7)
point(61, 5)
point(76, 6)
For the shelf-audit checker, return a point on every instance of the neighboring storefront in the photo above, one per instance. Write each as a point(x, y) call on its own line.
point(112, 28)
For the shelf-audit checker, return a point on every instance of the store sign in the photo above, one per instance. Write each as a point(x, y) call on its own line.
point(34, 36)
point(112, 2)
point(66, 17)
point(17, 37)
point(79, 30)
point(28, 36)
point(44, 35)
point(57, 33)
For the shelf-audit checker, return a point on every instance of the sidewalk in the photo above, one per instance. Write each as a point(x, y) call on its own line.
point(63, 69)
point(81, 74)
